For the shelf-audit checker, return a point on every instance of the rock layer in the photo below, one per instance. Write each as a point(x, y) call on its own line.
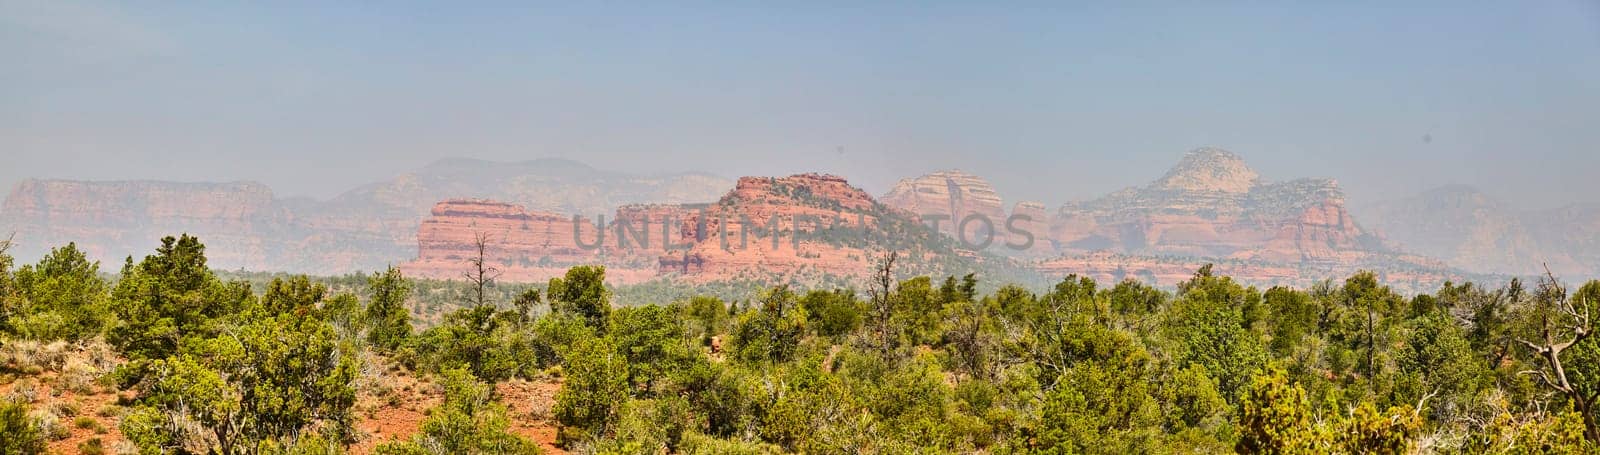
point(798, 227)
point(779, 226)
point(946, 198)
point(967, 208)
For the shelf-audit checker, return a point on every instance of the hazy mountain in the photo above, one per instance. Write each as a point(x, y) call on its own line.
point(1473, 231)
point(1210, 207)
point(1211, 204)
point(246, 226)
point(553, 185)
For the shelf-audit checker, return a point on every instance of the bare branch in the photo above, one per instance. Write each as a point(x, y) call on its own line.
point(482, 274)
point(1546, 377)
point(1535, 347)
point(1417, 411)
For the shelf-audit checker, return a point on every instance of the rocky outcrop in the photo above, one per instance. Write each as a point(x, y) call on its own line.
point(545, 186)
point(967, 208)
point(1212, 208)
point(510, 231)
point(946, 198)
point(806, 224)
point(1209, 170)
point(800, 227)
point(522, 245)
point(1028, 231)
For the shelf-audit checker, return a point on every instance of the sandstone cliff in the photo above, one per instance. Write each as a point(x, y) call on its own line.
point(781, 226)
point(522, 245)
point(967, 207)
point(804, 227)
point(953, 196)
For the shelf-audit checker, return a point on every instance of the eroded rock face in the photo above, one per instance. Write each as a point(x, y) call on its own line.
point(802, 227)
point(947, 198)
point(1211, 208)
point(967, 208)
point(1207, 170)
point(543, 186)
point(522, 245)
point(1029, 230)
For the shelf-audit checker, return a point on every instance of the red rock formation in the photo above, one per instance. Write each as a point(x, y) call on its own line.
point(1034, 225)
point(810, 225)
point(775, 210)
point(526, 246)
point(1211, 208)
point(956, 201)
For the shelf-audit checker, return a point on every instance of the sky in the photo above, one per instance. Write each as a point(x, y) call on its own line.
point(1051, 102)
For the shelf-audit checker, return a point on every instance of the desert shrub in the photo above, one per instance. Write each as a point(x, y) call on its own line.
point(700, 444)
point(596, 387)
point(65, 408)
point(78, 376)
point(92, 446)
point(49, 424)
point(22, 434)
point(490, 343)
point(34, 357)
point(85, 423)
point(468, 422)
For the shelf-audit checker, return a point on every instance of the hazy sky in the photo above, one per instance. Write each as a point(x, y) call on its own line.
point(1052, 103)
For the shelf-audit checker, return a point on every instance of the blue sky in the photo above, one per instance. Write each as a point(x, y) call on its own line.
point(1051, 102)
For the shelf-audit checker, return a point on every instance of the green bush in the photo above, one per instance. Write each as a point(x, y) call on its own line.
point(21, 434)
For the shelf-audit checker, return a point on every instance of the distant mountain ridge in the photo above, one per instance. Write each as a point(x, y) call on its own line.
point(1469, 229)
point(806, 228)
point(1208, 208)
point(374, 225)
point(1213, 205)
point(547, 184)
